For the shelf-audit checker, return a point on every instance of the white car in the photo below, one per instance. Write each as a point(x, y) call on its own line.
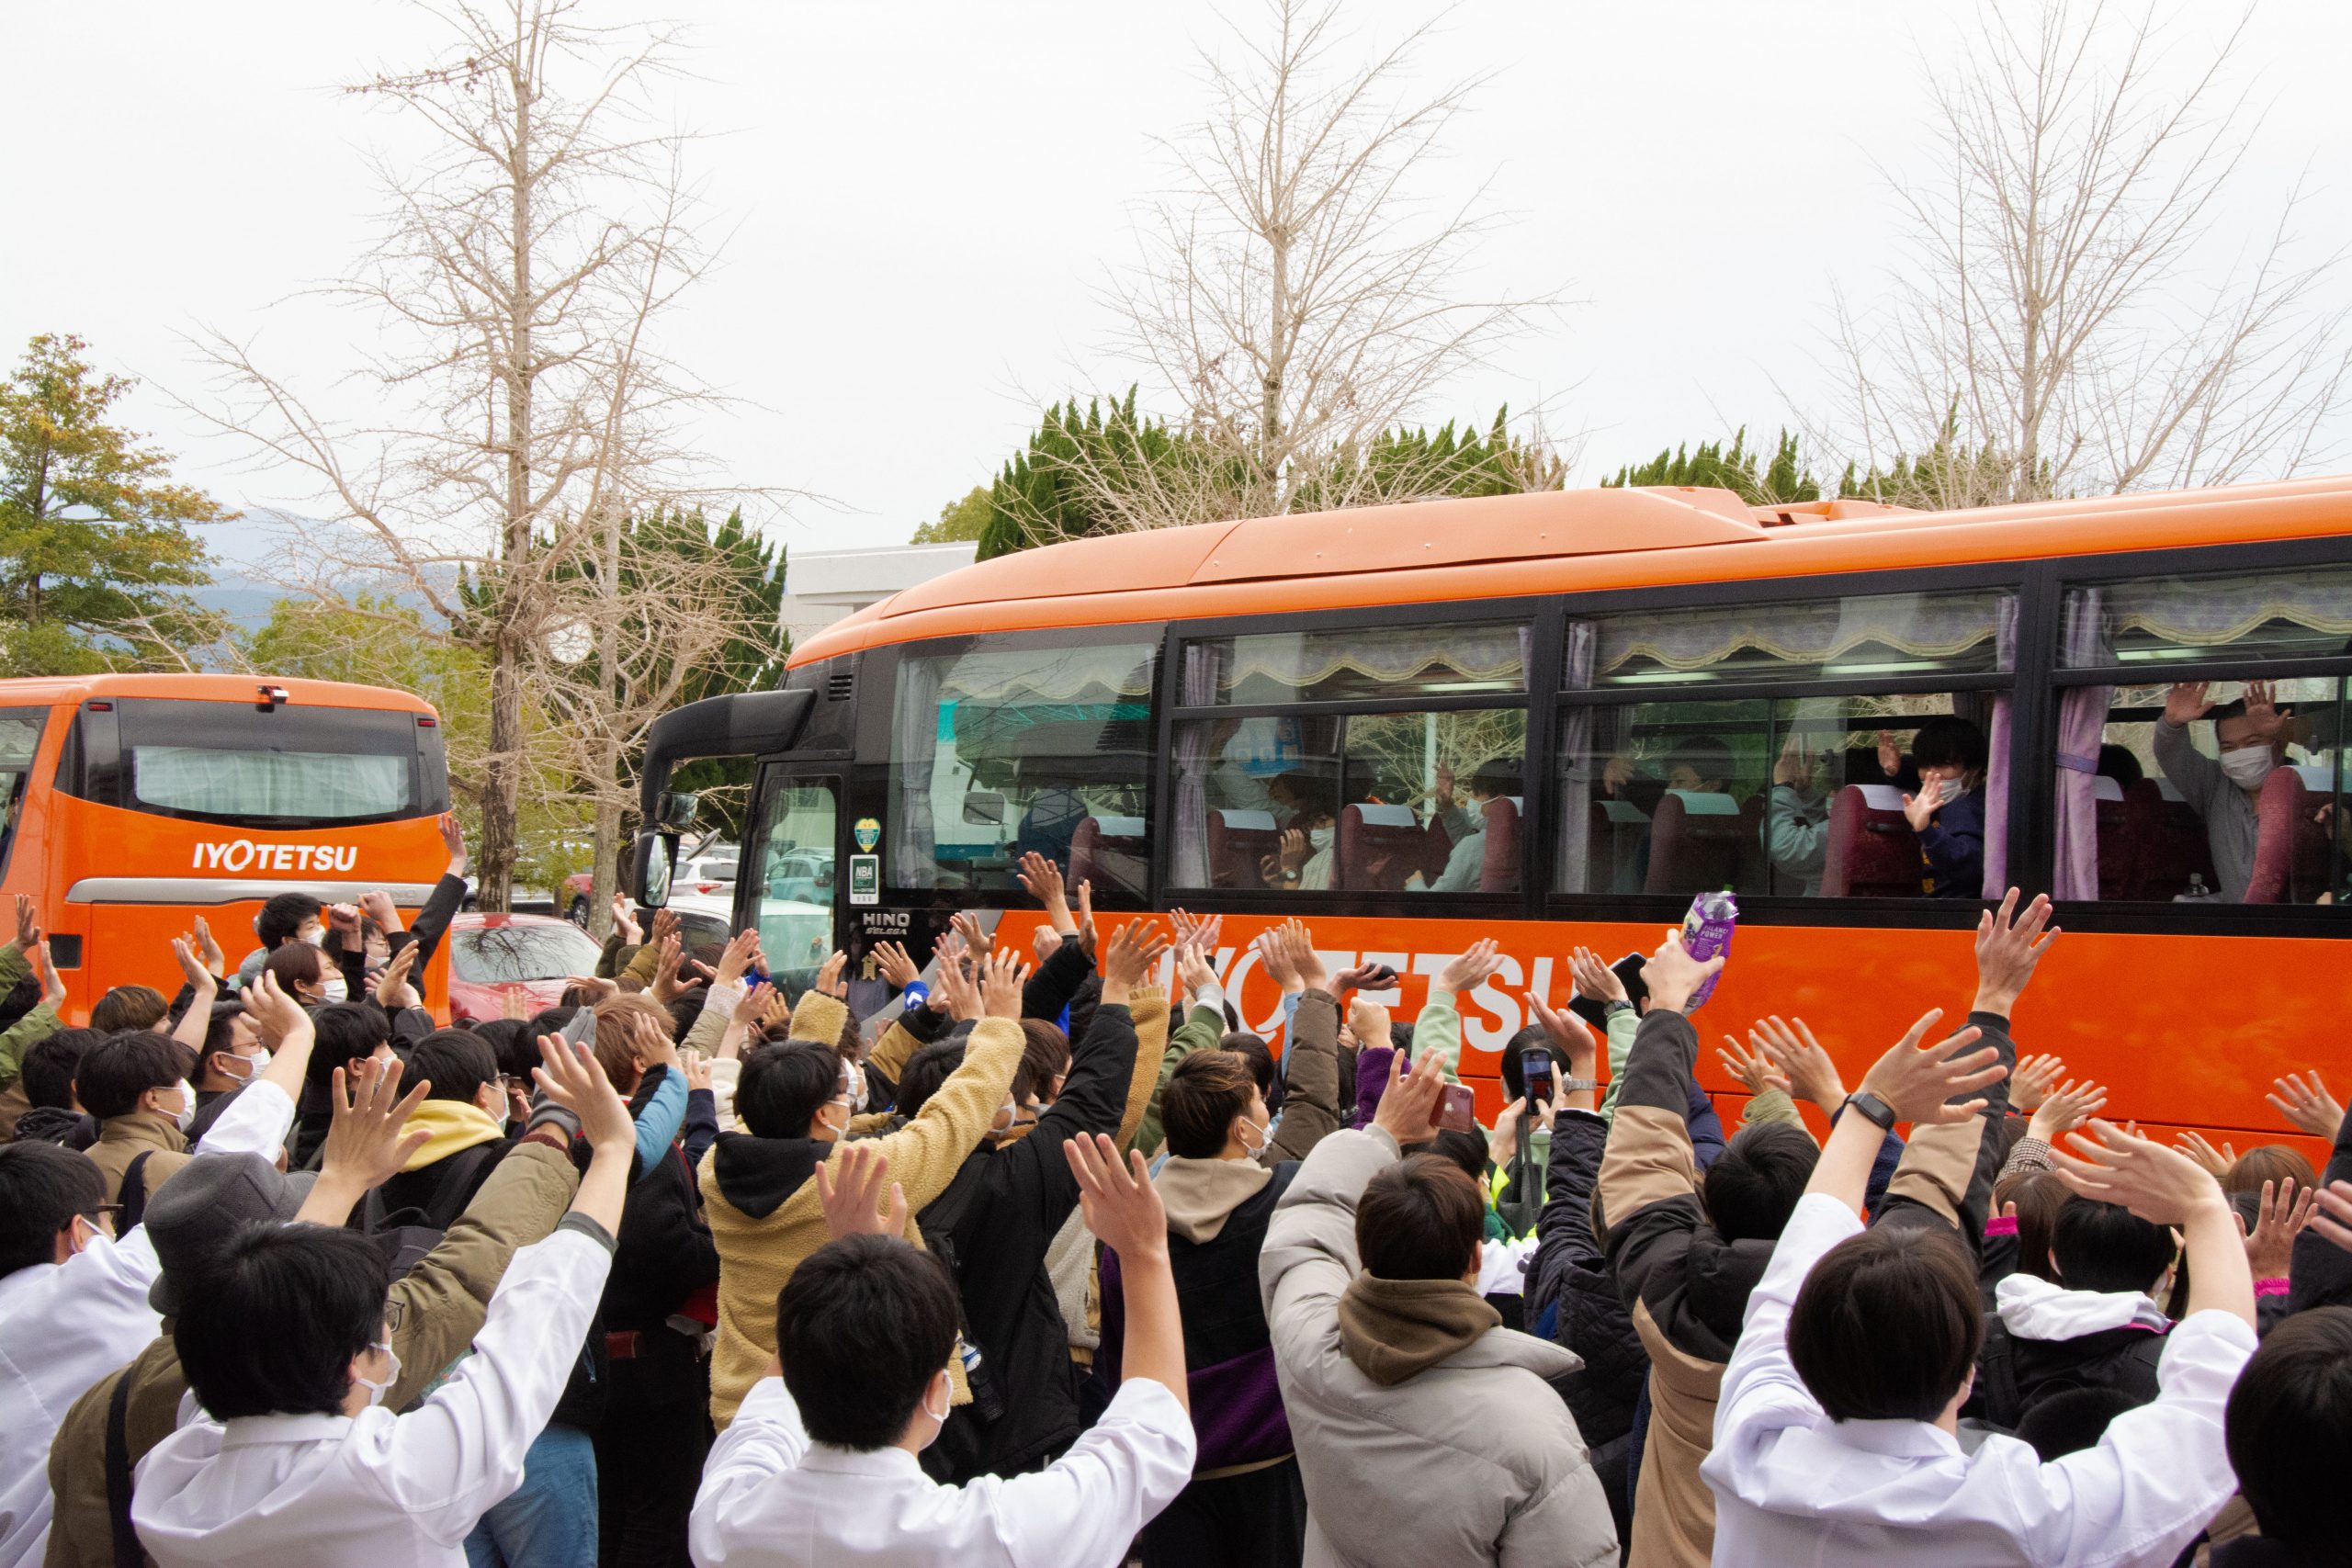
point(705, 884)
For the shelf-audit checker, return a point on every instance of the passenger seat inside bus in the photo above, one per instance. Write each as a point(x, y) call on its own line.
point(1110, 853)
point(1370, 832)
point(1240, 841)
point(2289, 847)
point(2163, 846)
point(1872, 852)
point(1498, 873)
point(1700, 841)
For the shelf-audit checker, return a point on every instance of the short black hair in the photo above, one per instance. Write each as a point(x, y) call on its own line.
point(129, 1007)
point(2106, 1246)
point(459, 1062)
point(1206, 1092)
point(51, 1064)
point(1705, 756)
point(42, 1187)
point(924, 1072)
point(1261, 1063)
point(546, 1021)
point(1466, 1150)
point(283, 916)
point(1421, 1219)
point(782, 1088)
point(512, 1044)
point(1754, 1185)
point(684, 1013)
point(123, 1067)
point(346, 1033)
point(1949, 741)
point(2119, 763)
point(1315, 796)
point(863, 1326)
point(283, 1311)
point(2071, 1420)
point(20, 1000)
point(1888, 1326)
point(221, 1028)
point(1501, 775)
point(2288, 1429)
point(1514, 1068)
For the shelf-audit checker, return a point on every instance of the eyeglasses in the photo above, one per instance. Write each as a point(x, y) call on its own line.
point(395, 1310)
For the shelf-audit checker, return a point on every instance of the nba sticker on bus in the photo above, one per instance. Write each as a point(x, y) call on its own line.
point(243, 854)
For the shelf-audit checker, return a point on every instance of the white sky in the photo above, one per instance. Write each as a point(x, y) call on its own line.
point(925, 199)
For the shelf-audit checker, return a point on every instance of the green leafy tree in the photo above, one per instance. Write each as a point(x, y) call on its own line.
point(957, 521)
point(94, 537)
point(1783, 478)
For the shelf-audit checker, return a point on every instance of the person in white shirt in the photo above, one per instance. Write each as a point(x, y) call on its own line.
point(1836, 1440)
point(291, 1458)
point(863, 1334)
point(66, 1324)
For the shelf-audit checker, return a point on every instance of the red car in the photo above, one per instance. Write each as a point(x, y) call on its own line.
point(493, 957)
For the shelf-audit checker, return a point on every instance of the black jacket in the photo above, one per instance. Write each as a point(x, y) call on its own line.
point(992, 1227)
point(1570, 1271)
point(2015, 1373)
point(663, 1253)
point(2321, 1272)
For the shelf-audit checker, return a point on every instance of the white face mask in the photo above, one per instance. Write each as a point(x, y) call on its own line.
point(947, 1401)
point(1253, 1141)
point(2248, 766)
point(254, 1064)
point(334, 988)
point(376, 1391)
point(187, 1112)
point(315, 935)
point(1319, 838)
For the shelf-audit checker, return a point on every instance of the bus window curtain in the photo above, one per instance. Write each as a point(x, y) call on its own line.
point(1189, 865)
point(914, 749)
point(2082, 722)
point(1575, 750)
point(1997, 771)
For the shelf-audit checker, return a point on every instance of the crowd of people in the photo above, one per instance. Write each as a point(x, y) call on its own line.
point(1043, 1264)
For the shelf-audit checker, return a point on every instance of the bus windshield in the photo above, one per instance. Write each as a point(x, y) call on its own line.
point(248, 766)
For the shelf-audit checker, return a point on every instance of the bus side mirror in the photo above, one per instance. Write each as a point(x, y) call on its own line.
point(656, 854)
point(679, 810)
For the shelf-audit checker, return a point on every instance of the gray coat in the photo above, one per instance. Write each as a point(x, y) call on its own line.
point(1475, 1460)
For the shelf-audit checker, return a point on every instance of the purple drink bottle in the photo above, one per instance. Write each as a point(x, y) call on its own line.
point(1706, 933)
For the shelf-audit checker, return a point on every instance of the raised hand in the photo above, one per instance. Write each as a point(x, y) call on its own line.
point(1042, 879)
point(1409, 1106)
point(2158, 1184)
point(1298, 947)
point(894, 964)
point(571, 1076)
point(1672, 977)
point(596, 986)
point(1890, 754)
point(29, 923)
point(1129, 955)
point(1811, 1071)
point(1001, 978)
point(1197, 972)
point(668, 983)
point(2193, 1146)
point(1274, 956)
point(206, 947)
point(2302, 1098)
point(1568, 1033)
point(1920, 810)
point(753, 1004)
point(952, 988)
point(2065, 1108)
point(2187, 702)
point(1793, 766)
point(52, 984)
point(665, 924)
point(515, 1004)
point(2263, 720)
point(696, 1067)
point(452, 838)
point(737, 957)
point(2035, 1077)
point(275, 1015)
point(199, 977)
point(2334, 1218)
point(849, 1190)
point(2270, 1245)
point(378, 907)
point(830, 981)
point(366, 1141)
point(1121, 1207)
point(1595, 982)
point(1087, 935)
point(624, 922)
point(1473, 969)
point(1751, 1067)
point(1919, 1081)
point(2009, 950)
point(1364, 977)
point(967, 925)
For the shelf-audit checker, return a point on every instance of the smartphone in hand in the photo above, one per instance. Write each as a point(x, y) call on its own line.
point(1535, 1072)
point(1457, 1109)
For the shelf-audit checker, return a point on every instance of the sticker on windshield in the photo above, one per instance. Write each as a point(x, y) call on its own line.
point(868, 834)
point(866, 879)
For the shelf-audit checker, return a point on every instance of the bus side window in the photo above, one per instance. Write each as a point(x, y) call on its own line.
point(2227, 788)
point(1007, 748)
point(1841, 785)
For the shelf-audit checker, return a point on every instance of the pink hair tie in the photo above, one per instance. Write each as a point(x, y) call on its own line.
point(2001, 1224)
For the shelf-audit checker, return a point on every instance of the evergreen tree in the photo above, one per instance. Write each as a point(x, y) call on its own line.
point(1784, 478)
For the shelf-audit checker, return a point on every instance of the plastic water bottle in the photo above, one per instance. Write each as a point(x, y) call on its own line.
point(1707, 932)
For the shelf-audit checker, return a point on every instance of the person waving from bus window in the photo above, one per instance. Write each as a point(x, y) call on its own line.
point(1304, 862)
point(1465, 824)
point(2251, 736)
point(1948, 811)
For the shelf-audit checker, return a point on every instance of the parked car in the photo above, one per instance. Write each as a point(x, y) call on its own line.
point(704, 884)
point(493, 957)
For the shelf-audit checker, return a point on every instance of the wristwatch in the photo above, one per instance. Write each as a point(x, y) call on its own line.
point(1578, 1086)
point(1616, 1006)
point(1872, 1109)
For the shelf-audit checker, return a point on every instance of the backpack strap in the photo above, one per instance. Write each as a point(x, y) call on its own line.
point(127, 1552)
point(133, 1195)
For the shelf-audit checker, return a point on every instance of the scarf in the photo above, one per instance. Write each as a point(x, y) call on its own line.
point(455, 1126)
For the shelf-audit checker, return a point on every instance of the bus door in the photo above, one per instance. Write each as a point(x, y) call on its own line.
point(788, 886)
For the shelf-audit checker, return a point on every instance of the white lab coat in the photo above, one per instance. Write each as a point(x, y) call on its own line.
point(771, 1498)
point(64, 1326)
point(1793, 1487)
point(377, 1490)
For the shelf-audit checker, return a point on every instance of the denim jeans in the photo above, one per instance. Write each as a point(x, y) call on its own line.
point(549, 1522)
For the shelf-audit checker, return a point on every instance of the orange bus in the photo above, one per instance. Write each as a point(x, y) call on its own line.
point(1553, 718)
point(137, 802)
